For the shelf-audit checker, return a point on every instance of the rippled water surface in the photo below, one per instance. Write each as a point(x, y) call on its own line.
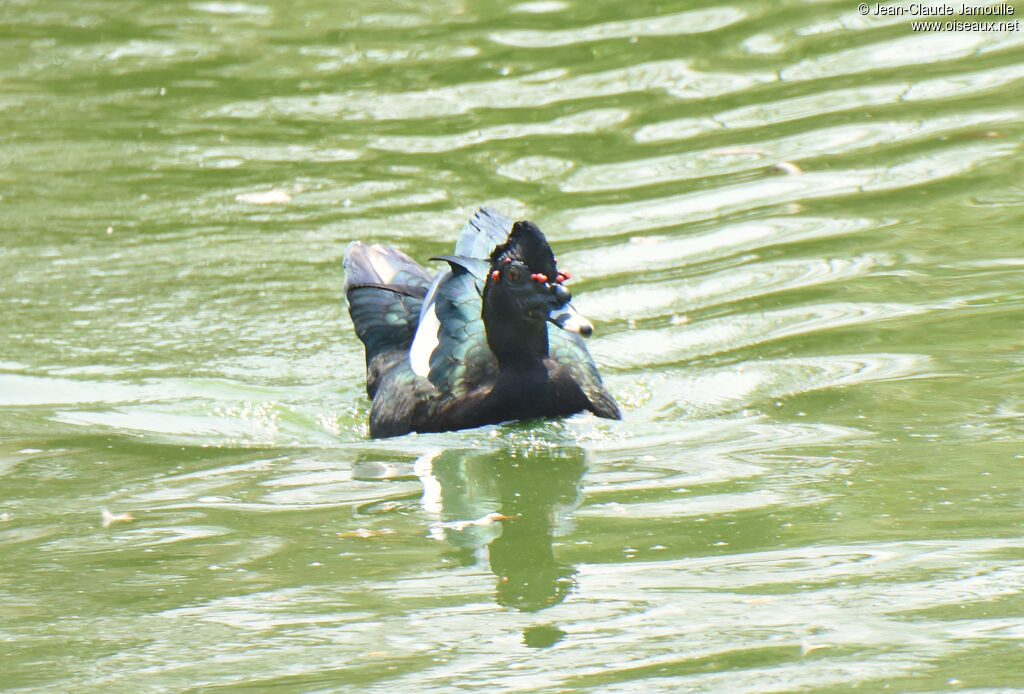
point(797, 230)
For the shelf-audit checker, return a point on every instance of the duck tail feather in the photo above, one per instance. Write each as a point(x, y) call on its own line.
point(477, 267)
point(485, 230)
point(603, 404)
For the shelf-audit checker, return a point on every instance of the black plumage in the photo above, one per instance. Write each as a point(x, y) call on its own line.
point(471, 346)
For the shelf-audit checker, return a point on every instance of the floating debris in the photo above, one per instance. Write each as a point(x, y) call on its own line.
point(740, 149)
point(785, 167)
point(265, 197)
point(978, 134)
point(366, 533)
point(806, 647)
point(109, 518)
point(480, 522)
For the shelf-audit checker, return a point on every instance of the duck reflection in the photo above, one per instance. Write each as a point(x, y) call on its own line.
point(510, 504)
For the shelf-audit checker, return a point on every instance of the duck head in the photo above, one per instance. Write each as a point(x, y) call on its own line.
point(523, 292)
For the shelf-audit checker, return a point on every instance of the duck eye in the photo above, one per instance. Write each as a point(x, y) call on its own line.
point(513, 274)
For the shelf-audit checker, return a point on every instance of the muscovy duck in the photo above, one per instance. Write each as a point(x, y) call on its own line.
point(471, 346)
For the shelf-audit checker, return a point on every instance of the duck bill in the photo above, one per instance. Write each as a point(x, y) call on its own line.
point(567, 318)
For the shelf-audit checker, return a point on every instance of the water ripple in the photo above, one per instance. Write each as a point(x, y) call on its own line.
point(644, 253)
point(822, 103)
point(844, 139)
point(669, 211)
point(674, 298)
point(584, 122)
point(769, 603)
point(918, 48)
point(680, 23)
point(528, 91)
point(640, 348)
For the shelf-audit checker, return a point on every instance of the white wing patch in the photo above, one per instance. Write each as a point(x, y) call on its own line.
point(428, 332)
point(425, 341)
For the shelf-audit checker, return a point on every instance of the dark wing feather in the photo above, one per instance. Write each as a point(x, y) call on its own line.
point(385, 289)
point(569, 351)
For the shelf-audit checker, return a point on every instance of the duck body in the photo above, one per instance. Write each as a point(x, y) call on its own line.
point(471, 346)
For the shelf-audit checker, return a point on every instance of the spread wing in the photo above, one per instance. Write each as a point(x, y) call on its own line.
point(385, 290)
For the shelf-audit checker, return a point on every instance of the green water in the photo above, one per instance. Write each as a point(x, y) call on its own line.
point(796, 229)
